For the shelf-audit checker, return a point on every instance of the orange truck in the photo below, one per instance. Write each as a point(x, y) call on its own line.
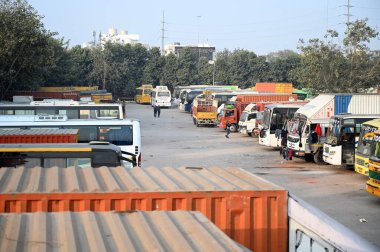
point(232, 113)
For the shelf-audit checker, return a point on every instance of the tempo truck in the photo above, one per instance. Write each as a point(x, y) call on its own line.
point(205, 110)
point(364, 145)
point(344, 131)
point(314, 117)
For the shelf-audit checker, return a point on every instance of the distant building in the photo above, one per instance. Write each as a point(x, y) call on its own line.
point(201, 50)
point(114, 37)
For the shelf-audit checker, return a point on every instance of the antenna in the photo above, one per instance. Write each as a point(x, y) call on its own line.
point(348, 15)
point(163, 33)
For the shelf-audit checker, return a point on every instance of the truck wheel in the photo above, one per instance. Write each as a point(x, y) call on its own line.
point(249, 134)
point(233, 128)
point(318, 157)
point(196, 123)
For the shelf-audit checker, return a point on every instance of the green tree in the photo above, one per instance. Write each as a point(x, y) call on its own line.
point(205, 71)
point(187, 68)
point(280, 64)
point(153, 67)
point(222, 67)
point(169, 72)
point(24, 46)
point(359, 57)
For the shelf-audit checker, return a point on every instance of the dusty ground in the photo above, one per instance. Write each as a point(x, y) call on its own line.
point(173, 140)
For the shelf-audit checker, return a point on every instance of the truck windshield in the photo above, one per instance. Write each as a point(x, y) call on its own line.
point(164, 94)
point(267, 118)
point(244, 116)
point(365, 139)
point(297, 125)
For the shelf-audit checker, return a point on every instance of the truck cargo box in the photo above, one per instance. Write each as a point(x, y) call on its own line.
point(247, 208)
point(38, 136)
point(266, 97)
point(273, 87)
point(110, 231)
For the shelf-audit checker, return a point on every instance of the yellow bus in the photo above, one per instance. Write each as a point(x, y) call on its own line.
point(373, 184)
point(364, 145)
point(143, 94)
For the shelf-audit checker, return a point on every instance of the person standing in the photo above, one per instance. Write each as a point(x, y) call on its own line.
point(228, 131)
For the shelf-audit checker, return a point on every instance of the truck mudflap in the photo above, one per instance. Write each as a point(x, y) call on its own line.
point(312, 230)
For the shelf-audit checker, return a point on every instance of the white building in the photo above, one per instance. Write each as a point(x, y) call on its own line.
point(114, 37)
point(200, 50)
point(122, 38)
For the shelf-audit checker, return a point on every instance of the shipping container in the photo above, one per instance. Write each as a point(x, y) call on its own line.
point(273, 87)
point(266, 97)
point(110, 231)
point(38, 136)
point(71, 88)
point(41, 95)
point(247, 208)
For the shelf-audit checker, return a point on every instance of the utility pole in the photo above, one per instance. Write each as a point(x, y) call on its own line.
point(348, 15)
point(163, 33)
point(199, 49)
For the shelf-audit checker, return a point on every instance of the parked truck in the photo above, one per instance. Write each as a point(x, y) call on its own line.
point(341, 142)
point(232, 114)
point(314, 117)
point(205, 110)
point(250, 118)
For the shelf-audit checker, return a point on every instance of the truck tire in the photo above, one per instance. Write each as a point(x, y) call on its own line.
point(309, 158)
point(233, 128)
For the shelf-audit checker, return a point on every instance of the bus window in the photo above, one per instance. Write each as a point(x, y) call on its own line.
point(118, 135)
point(71, 113)
point(24, 112)
point(108, 112)
point(50, 162)
point(85, 133)
point(84, 114)
point(45, 111)
point(6, 112)
point(79, 162)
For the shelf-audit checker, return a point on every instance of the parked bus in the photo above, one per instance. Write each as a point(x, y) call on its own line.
point(344, 131)
point(72, 109)
point(124, 133)
point(143, 94)
point(161, 97)
point(364, 145)
point(373, 183)
point(274, 118)
point(64, 155)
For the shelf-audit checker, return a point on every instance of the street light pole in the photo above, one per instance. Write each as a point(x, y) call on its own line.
point(212, 62)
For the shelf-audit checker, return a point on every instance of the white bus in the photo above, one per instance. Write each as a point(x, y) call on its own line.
point(72, 109)
point(161, 97)
point(124, 133)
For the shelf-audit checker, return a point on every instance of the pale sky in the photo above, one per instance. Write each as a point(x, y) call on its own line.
point(261, 26)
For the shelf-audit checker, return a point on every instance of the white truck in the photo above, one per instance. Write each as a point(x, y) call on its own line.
point(249, 119)
point(308, 128)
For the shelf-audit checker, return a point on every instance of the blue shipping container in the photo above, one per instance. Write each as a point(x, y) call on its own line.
point(341, 103)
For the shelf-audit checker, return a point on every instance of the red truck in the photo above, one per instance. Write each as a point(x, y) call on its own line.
point(232, 113)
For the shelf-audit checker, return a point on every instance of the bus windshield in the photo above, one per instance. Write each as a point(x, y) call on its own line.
point(365, 139)
point(375, 148)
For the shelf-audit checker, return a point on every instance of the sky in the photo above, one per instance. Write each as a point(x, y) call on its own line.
point(261, 26)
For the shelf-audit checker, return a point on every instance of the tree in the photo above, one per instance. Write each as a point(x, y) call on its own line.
point(280, 64)
point(222, 67)
point(187, 68)
point(25, 46)
point(205, 71)
point(153, 67)
point(169, 72)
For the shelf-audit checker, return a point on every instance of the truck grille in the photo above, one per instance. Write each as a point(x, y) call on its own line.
point(360, 162)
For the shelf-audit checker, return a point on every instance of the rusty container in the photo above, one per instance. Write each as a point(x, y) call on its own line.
point(38, 136)
point(250, 210)
point(270, 97)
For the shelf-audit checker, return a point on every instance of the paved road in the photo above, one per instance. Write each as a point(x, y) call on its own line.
point(173, 140)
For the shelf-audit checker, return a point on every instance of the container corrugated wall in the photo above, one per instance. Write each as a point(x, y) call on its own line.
point(341, 103)
point(272, 87)
point(357, 103)
point(92, 231)
point(248, 209)
point(39, 136)
point(266, 97)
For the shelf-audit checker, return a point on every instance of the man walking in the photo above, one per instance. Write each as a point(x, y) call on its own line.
point(155, 110)
point(158, 111)
point(228, 129)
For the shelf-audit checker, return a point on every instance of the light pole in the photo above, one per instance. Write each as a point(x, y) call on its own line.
point(212, 62)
